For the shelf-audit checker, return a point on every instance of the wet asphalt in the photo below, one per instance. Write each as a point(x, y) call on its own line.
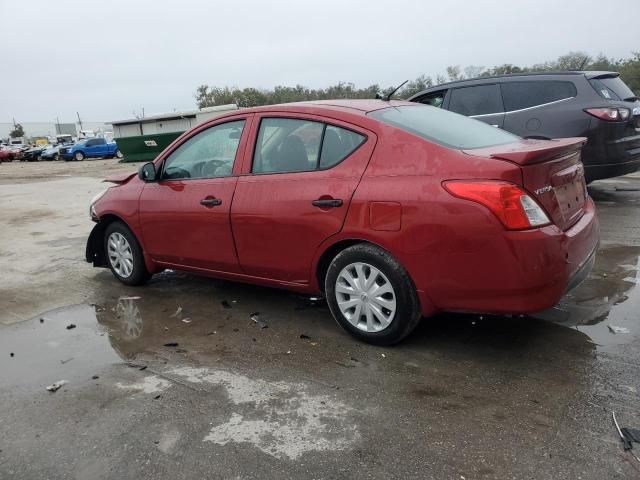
point(177, 380)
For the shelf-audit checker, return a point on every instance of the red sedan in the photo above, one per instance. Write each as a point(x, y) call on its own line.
point(391, 210)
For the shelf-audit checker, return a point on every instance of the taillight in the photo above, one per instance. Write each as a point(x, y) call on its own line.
point(510, 203)
point(610, 114)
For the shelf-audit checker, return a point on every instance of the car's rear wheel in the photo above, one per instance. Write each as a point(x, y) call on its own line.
point(118, 154)
point(371, 295)
point(79, 156)
point(124, 255)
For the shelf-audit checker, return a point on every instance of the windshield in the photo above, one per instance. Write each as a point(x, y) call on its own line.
point(612, 88)
point(444, 127)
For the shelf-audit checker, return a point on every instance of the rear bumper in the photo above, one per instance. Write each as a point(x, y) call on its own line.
point(520, 272)
point(610, 170)
point(612, 149)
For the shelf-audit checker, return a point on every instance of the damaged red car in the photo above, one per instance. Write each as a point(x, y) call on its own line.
point(391, 210)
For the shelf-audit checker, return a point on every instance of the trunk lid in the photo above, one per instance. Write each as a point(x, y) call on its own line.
point(552, 173)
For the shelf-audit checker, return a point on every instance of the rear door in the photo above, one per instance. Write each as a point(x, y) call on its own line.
point(296, 191)
point(543, 108)
point(184, 216)
point(482, 102)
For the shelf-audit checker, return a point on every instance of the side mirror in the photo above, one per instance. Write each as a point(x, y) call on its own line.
point(147, 172)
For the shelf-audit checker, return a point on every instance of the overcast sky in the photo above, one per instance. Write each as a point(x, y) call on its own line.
point(106, 59)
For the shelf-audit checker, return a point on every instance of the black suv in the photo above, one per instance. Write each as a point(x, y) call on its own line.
point(596, 105)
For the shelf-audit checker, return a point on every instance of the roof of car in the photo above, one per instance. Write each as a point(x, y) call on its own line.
point(587, 73)
point(362, 106)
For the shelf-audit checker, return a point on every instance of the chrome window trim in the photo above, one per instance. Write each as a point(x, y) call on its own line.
point(522, 109)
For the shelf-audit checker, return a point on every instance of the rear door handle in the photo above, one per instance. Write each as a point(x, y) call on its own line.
point(327, 202)
point(210, 202)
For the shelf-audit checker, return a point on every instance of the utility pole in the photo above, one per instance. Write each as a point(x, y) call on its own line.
point(79, 120)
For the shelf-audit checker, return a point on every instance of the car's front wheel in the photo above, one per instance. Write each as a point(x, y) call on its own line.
point(124, 255)
point(79, 156)
point(371, 295)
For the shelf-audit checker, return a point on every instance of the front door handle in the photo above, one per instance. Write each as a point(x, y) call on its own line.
point(210, 202)
point(327, 202)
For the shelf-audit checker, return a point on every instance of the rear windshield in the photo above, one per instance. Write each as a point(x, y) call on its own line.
point(612, 88)
point(444, 127)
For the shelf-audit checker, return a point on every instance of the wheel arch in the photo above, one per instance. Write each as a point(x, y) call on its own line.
point(95, 245)
point(329, 253)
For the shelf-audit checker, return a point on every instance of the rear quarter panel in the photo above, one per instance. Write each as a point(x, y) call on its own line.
point(440, 236)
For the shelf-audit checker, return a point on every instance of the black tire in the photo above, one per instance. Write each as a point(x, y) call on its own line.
point(79, 156)
point(407, 314)
point(140, 274)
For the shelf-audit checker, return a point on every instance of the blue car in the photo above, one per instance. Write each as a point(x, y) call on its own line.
point(90, 147)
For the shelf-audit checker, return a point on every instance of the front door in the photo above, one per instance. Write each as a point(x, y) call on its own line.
point(296, 192)
point(184, 216)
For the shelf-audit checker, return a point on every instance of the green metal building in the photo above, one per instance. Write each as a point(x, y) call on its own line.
point(142, 139)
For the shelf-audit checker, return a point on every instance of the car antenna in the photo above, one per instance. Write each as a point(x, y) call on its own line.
point(387, 97)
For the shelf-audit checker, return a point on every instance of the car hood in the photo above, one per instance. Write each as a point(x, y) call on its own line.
point(120, 178)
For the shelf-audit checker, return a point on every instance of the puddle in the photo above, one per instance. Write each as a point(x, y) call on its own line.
point(608, 298)
point(46, 352)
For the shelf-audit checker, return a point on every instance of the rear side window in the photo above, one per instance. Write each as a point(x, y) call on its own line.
point(612, 88)
point(337, 145)
point(477, 100)
point(519, 95)
point(444, 127)
point(293, 145)
point(435, 99)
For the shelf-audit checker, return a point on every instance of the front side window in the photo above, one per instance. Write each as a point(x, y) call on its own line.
point(519, 95)
point(293, 145)
point(435, 99)
point(477, 100)
point(444, 127)
point(208, 154)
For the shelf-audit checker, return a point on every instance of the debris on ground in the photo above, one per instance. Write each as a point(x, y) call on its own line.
point(617, 330)
point(56, 386)
point(144, 367)
point(313, 344)
point(255, 316)
point(129, 298)
point(186, 320)
point(225, 304)
point(211, 333)
point(177, 312)
point(171, 344)
point(627, 189)
point(628, 436)
point(95, 377)
point(288, 352)
point(383, 355)
point(41, 319)
point(66, 361)
point(12, 355)
point(71, 326)
point(157, 397)
point(304, 337)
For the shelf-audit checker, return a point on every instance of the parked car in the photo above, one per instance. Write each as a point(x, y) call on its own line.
point(6, 154)
point(391, 210)
point(32, 154)
point(596, 105)
point(52, 152)
point(90, 147)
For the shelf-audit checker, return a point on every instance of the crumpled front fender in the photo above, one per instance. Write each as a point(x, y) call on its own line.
point(95, 246)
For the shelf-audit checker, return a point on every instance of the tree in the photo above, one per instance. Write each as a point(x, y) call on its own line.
point(17, 131)
point(207, 96)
